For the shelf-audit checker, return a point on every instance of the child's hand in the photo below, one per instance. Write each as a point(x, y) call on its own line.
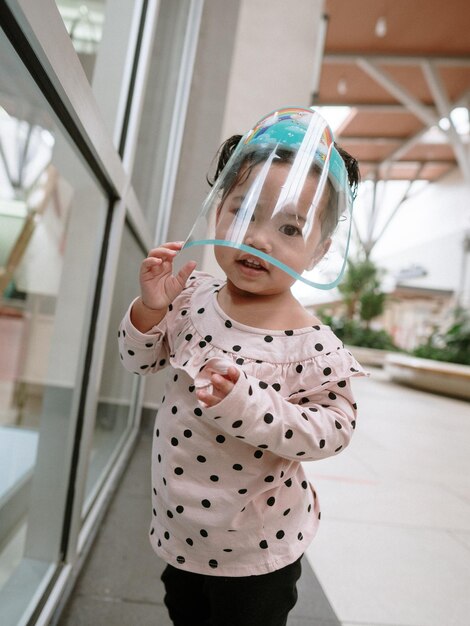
point(222, 385)
point(158, 286)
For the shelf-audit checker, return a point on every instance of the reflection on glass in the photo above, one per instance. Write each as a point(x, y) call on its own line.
point(114, 410)
point(84, 21)
point(52, 217)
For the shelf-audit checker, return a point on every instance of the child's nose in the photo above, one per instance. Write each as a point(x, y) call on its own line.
point(258, 237)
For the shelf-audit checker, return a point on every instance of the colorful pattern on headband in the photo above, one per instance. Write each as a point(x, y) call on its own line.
point(286, 126)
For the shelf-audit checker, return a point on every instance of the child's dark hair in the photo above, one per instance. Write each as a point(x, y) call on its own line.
point(227, 148)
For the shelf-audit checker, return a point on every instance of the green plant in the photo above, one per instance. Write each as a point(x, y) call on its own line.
point(363, 299)
point(355, 333)
point(451, 345)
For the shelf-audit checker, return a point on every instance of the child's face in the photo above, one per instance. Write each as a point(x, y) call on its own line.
point(279, 233)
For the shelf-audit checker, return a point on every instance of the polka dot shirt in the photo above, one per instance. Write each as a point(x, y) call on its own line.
point(229, 492)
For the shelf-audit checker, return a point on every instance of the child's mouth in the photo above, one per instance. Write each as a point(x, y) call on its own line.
point(252, 265)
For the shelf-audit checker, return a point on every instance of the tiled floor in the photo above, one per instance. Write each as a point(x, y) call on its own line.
point(394, 544)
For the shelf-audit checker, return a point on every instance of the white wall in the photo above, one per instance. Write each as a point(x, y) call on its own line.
point(428, 231)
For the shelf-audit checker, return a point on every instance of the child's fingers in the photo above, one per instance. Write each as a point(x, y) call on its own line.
point(186, 271)
point(207, 398)
point(221, 384)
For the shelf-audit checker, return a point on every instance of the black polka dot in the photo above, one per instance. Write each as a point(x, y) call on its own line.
point(242, 491)
point(327, 371)
point(342, 383)
point(174, 441)
point(263, 544)
point(318, 347)
point(174, 410)
point(338, 425)
point(213, 563)
point(288, 482)
point(250, 391)
point(214, 478)
point(268, 418)
point(206, 503)
point(268, 338)
point(203, 533)
point(149, 345)
point(300, 536)
point(131, 352)
point(332, 396)
point(258, 454)
point(289, 333)
point(338, 449)
point(152, 531)
point(162, 362)
point(353, 423)
point(288, 434)
point(188, 433)
point(280, 534)
point(188, 337)
point(316, 327)
point(167, 535)
point(220, 439)
point(271, 501)
point(202, 344)
point(201, 459)
point(198, 411)
point(237, 467)
point(286, 512)
point(180, 559)
point(299, 368)
point(228, 323)
point(269, 479)
point(170, 514)
point(189, 541)
point(179, 471)
point(237, 423)
point(180, 508)
point(304, 484)
point(322, 443)
point(263, 385)
point(208, 338)
point(301, 453)
point(236, 348)
point(240, 361)
point(276, 387)
point(200, 311)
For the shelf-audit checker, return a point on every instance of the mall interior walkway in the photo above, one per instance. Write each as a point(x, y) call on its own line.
point(393, 548)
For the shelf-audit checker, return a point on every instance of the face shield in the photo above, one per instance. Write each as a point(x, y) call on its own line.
point(283, 200)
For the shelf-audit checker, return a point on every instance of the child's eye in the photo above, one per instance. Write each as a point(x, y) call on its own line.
point(290, 230)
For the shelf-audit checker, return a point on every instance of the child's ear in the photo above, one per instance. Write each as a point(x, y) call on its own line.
point(319, 253)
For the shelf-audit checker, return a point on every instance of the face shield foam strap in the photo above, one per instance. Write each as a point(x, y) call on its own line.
point(287, 180)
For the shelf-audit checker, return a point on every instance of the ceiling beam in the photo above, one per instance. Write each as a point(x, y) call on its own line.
point(396, 59)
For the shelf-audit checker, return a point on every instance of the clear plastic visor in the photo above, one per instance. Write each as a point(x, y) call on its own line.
point(282, 206)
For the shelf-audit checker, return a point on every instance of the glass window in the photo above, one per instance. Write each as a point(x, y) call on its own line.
point(114, 413)
point(84, 21)
point(52, 222)
point(154, 141)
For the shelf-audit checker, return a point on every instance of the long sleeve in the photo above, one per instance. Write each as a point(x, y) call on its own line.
point(142, 353)
point(317, 424)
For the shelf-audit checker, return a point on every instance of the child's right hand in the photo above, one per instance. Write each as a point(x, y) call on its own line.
point(158, 286)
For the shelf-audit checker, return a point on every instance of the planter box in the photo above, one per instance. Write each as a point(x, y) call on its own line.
point(368, 356)
point(450, 379)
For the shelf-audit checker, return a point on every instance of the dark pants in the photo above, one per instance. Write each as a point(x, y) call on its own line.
point(200, 600)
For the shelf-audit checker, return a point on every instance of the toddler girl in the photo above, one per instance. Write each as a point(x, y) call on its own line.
point(256, 385)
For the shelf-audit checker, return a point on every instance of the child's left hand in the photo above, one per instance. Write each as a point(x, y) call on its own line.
point(222, 385)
